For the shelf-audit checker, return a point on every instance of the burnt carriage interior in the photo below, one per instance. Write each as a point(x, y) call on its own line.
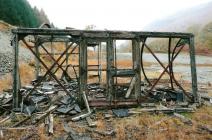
point(103, 82)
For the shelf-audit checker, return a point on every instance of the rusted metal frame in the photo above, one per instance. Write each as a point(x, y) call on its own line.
point(55, 53)
point(82, 69)
point(171, 72)
point(169, 62)
point(39, 41)
point(193, 69)
point(110, 68)
point(37, 63)
point(164, 69)
point(142, 64)
point(16, 76)
point(43, 77)
point(48, 69)
point(59, 65)
point(156, 57)
point(172, 57)
point(52, 51)
point(68, 56)
point(137, 66)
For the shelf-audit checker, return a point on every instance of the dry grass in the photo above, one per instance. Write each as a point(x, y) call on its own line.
point(5, 26)
point(135, 127)
point(42, 133)
point(203, 115)
point(26, 73)
point(120, 133)
point(6, 82)
point(100, 125)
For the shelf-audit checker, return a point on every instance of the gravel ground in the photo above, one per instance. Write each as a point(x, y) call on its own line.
point(7, 54)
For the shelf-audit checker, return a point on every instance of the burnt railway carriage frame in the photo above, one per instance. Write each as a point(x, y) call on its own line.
point(82, 38)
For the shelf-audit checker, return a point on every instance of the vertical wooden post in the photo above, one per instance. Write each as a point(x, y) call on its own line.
point(16, 76)
point(110, 65)
point(98, 61)
point(137, 66)
point(115, 59)
point(193, 70)
point(169, 61)
point(133, 53)
point(82, 69)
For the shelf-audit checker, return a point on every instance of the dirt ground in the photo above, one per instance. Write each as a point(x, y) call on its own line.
point(139, 127)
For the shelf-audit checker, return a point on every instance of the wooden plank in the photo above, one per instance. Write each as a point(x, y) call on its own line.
point(130, 88)
point(46, 113)
point(193, 70)
point(137, 66)
point(4, 120)
point(90, 122)
point(49, 122)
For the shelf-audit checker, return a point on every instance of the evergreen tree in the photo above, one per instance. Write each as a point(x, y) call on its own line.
point(41, 16)
point(18, 12)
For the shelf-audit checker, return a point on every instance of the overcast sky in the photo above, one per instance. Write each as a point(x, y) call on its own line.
point(111, 14)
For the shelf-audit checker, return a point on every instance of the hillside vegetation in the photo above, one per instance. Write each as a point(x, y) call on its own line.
point(196, 20)
point(203, 39)
point(20, 13)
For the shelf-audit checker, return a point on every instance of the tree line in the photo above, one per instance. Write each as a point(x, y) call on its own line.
point(20, 13)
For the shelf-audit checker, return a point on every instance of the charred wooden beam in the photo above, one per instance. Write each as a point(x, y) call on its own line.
point(16, 75)
point(110, 66)
point(82, 70)
point(100, 34)
point(193, 70)
point(137, 66)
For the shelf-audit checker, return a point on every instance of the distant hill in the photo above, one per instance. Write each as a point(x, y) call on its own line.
point(200, 15)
